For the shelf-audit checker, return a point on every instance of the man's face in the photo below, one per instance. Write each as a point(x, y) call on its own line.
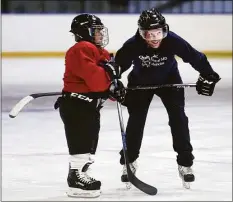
point(154, 43)
point(153, 37)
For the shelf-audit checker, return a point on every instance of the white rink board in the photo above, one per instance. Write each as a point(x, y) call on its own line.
point(51, 32)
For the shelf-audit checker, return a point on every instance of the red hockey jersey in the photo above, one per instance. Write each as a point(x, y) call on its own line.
point(82, 72)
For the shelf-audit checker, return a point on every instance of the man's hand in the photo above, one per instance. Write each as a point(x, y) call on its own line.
point(206, 83)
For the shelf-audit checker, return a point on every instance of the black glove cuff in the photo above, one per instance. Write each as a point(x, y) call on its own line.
point(212, 77)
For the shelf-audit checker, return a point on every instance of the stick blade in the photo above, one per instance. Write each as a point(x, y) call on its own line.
point(19, 106)
point(146, 188)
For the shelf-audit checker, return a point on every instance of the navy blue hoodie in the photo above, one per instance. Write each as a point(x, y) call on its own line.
point(159, 66)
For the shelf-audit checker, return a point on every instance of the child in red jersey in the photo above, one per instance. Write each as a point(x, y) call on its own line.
point(88, 82)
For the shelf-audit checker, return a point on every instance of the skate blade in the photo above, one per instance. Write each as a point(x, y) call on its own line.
point(186, 185)
point(79, 193)
point(128, 185)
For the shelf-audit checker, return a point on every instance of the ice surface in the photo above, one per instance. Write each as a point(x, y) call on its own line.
point(35, 155)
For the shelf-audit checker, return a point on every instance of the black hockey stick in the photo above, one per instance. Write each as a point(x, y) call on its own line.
point(146, 188)
point(183, 85)
point(24, 101)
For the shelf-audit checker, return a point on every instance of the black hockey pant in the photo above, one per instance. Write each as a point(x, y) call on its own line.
point(82, 124)
point(138, 103)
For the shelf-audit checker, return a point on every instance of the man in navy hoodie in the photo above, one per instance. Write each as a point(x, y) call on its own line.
point(152, 52)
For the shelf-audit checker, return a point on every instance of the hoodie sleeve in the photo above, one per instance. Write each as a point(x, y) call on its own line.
point(188, 54)
point(124, 56)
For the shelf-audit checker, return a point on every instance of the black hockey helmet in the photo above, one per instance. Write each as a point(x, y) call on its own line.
point(85, 26)
point(152, 19)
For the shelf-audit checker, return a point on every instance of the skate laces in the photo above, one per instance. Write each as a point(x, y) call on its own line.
point(83, 177)
point(89, 177)
point(124, 170)
point(87, 174)
point(133, 167)
point(185, 170)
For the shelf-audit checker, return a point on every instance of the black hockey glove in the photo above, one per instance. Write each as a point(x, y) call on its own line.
point(113, 70)
point(206, 83)
point(58, 103)
point(117, 91)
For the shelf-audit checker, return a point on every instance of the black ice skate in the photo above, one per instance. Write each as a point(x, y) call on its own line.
point(187, 176)
point(124, 176)
point(82, 185)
